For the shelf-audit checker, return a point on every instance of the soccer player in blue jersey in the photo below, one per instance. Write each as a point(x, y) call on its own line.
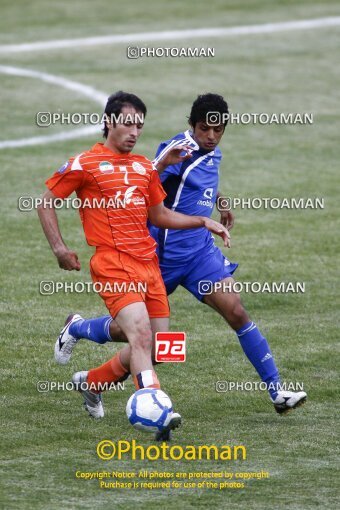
point(188, 165)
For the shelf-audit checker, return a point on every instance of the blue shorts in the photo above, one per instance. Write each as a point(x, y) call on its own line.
point(211, 266)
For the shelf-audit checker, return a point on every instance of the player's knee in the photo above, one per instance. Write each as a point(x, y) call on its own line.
point(141, 336)
point(237, 316)
point(116, 332)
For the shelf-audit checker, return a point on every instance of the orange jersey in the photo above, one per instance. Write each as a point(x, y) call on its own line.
point(116, 191)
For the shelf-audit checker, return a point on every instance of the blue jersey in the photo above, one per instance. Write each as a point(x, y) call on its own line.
point(191, 188)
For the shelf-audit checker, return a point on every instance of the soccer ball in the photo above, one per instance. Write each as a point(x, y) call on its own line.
point(149, 409)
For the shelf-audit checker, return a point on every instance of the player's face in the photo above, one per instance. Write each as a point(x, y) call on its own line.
point(123, 136)
point(208, 137)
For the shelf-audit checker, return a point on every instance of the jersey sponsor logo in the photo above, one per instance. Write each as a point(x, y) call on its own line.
point(128, 194)
point(170, 347)
point(206, 203)
point(63, 168)
point(106, 167)
point(138, 168)
point(121, 200)
point(208, 193)
point(210, 162)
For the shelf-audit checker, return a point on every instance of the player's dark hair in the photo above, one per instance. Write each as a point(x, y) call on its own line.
point(117, 101)
point(206, 103)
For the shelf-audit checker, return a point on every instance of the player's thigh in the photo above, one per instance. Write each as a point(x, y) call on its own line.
point(226, 301)
point(134, 321)
point(205, 271)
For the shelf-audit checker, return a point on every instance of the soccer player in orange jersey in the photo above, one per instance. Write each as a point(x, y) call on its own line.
point(128, 189)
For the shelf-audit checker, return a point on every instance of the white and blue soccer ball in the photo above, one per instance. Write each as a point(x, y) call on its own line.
point(149, 409)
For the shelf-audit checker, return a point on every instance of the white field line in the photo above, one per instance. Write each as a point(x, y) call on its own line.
point(85, 90)
point(171, 35)
point(100, 97)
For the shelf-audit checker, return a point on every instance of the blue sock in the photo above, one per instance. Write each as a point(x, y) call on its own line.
point(97, 330)
point(257, 350)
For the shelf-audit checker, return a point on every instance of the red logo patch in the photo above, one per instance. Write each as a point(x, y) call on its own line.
point(170, 347)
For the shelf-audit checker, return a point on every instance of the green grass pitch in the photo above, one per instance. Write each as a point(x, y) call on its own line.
point(47, 437)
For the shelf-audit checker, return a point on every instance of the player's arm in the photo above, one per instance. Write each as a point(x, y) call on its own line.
point(162, 217)
point(222, 205)
point(67, 259)
point(173, 157)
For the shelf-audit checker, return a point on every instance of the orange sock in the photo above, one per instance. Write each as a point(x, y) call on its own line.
point(146, 379)
point(111, 371)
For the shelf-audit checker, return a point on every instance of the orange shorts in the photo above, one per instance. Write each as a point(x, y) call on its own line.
point(121, 280)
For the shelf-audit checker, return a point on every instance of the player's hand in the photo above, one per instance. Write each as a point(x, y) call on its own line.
point(227, 219)
point(68, 260)
point(174, 156)
point(217, 228)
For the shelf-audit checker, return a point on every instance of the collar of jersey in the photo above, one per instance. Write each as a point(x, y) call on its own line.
point(199, 151)
point(187, 135)
point(102, 149)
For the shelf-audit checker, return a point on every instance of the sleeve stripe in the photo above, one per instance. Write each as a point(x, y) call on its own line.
point(166, 149)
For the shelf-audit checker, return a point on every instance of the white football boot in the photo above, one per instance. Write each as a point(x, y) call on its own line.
point(92, 401)
point(65, 343)
point(288, 400)
point(165, 434)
